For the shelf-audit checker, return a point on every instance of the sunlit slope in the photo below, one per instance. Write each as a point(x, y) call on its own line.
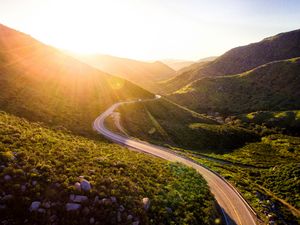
point(162, 122)
point(42, 84)
point(145, 74)
point(288, 121)
point(237, 60)
point(43, 165)
point(274, 86)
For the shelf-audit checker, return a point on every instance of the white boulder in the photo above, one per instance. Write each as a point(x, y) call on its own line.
point(85, 185)
point(146, 203)
point(7, 177)
point(34, 206)
point(77, 186)
point(78, 198)
point(72, 206)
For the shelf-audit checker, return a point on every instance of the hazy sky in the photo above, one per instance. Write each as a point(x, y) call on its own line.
point(151, 29)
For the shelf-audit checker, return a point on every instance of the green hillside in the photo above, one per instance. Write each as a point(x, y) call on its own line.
point(42, 84)
point(271, 87)
point(162, 122)
point(43, 165)
point(288, 121)
point(241, 59)
point(267, 173)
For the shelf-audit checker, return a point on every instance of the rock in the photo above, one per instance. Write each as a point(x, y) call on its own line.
point(136, 223)
point(92, 220)
point(85, 185)
point(72, 206)
point(7, 197)
point(121, 208)
point(78, 198)
point(146, 203)
point(86, 211)
point(7, 177)
point(40, 210)
point(34, 206)
point(169, 210)
point(46, 205)
point(53, 218)
point(106, 201)
point(129, 217)
point(119, 218)
point(77, 186)
point(113, 199)
point(96, 200)
point(23, 188)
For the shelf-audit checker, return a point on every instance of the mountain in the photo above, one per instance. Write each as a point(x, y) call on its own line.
point(41, 83)
point(177, 64)
point(238, 60)
point(273, 86)
point(207, 59)
point(145, 74)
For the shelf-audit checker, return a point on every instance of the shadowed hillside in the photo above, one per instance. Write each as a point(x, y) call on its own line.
point(163, 122)
point(274, 86)
point(42, 84)
point(241, 59)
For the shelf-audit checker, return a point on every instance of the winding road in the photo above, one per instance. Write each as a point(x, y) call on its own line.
point(235, 209)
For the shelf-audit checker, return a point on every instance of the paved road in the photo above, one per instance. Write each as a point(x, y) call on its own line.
point(234, 208)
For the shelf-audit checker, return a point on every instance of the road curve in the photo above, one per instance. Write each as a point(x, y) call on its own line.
point(234, 208)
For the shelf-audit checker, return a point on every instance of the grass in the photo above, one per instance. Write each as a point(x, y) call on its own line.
point(271, 87)
point(48, 162)
point(271, 167)
point(266, 170)
point(163, 122)
point(289, 121)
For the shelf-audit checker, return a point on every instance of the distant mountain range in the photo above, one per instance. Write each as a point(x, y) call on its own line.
point(178, 64)
point(240, 59)
point(145, 74)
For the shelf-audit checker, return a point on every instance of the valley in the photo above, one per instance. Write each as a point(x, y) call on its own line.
point(211, 136)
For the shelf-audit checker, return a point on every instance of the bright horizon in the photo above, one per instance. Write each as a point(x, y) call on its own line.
point(150, 30)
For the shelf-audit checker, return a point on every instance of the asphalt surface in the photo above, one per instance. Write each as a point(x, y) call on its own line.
point(234, 208)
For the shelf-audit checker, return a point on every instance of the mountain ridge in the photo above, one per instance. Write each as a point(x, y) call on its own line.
point(241, 59)
point(274, 85)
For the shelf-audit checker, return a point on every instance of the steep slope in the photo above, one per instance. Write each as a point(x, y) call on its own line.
point(274, 86)
point(145, 74)
point(163, 122)
point(241, 59)
point(42, 165)
point(207, 59)
point(40, 83)
point(288, 121)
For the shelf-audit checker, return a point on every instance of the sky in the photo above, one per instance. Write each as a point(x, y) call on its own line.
point(151, 29)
